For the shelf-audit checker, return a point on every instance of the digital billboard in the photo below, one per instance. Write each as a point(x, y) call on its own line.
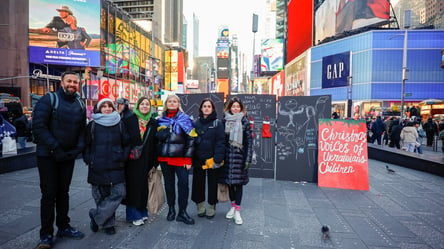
point(64, 32)
point(272, 55)
point(338, 16)
point(223, 48)
point(299, 28)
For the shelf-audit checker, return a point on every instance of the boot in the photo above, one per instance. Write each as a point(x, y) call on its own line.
point(230, 213)
point(201, 209)
point(171, 213)
point(185, 218)
point(211, 211)
point(237, 218)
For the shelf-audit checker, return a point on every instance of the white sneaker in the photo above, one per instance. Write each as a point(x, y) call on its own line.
point(230, 213)
point(237, 218)
point(138, 222)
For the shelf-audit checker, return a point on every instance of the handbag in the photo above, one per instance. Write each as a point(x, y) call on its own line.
point(156, 193)
point(222, 192)
point(136, 151)
point(9, 146)
point(417, 144)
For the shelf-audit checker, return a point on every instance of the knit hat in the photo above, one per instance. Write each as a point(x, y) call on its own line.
point(102, 101)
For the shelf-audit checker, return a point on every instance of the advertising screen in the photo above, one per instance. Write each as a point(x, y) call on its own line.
point(272, 55)
point(348, 15)
point(300, 28)
point(223, 48)
point(64, 32)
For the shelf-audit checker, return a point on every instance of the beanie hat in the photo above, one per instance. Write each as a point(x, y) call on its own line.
point(102, 101)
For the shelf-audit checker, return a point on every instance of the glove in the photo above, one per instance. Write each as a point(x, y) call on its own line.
point(208, 163)
point(247, 166)
point(218, 165)
point(60, 155)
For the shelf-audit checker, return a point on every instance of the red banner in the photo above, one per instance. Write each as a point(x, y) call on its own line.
point(342, 154)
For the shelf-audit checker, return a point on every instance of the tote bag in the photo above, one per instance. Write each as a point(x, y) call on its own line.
point(156, 193)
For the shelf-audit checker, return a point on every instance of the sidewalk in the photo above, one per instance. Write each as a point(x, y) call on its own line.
point(401, 210)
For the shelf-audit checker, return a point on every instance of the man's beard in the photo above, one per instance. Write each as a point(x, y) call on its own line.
point(70, 91)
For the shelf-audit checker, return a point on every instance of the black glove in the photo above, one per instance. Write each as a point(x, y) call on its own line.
point(60, 155)
point(247, 166)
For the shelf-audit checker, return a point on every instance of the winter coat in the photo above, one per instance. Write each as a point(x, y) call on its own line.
point(130, 120)
point(171, 144)
point(378, 127)
point(210, 141)
point(64, 129)
point(106, 151)
point(395, 132)
point(22, 126)
point(409, 134)
point(233, 172)
point(136, 171)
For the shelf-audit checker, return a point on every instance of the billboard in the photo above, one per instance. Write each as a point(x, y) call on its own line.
point(277, 84)
point(338, 16)
point(171, 70)
point(272, 51)
point(222, 48)
point(64, 32)
point(300, 28)
point(335, 70)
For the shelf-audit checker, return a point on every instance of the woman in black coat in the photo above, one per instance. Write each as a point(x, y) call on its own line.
point(137, 170)
point(238, 154)
point(209, 154)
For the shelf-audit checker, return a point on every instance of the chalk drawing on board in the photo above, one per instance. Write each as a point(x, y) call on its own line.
point(291, 106)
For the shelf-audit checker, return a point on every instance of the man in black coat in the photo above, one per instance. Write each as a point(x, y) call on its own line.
point(59, 133)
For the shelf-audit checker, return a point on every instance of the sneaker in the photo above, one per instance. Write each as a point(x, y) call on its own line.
point(110, 230)
point(45, 242)
point(138, 222)
point(92, 224)
point(238, 218)
point(145, 218)
point(70, 232)
point(230, 213)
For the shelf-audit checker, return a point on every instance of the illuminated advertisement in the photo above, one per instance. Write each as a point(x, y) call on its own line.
point(224, 33)
point(300, 28)
point(277, 84)
point(349, 15)
point(335, 70)
point(171, 70)
point(64, 32)
point(295, 78)
point(272, 55)
point(260, 86)
point(222, 48)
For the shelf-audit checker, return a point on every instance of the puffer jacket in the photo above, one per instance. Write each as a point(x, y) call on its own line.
point(63, 129)
point(233, 172)
point(409, 134)
point(171, 144)
point(210, 141)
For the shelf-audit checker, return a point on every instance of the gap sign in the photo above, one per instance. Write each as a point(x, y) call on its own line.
point(335, 70)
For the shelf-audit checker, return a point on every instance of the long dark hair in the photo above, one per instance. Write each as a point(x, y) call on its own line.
point(231, 102)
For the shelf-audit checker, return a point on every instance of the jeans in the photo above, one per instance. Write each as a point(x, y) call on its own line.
point(168, 172)
point(107, 200)
point(55, 179)
point(22, 142)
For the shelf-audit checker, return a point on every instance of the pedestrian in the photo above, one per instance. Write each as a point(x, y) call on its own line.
point(395, 134)
point(441, 134)
point(22, 127)
point(208, 158)
point(59, 134)
point(377, 129)
point(409, 136)
point(175, 149)
point(431, 130)
point(386, 136)
point(238, 155)
point(421, 136)
point(137, 169)
point(107, 149)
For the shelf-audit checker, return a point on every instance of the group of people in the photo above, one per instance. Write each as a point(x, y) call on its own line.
point(121, 146)
point(409, 133)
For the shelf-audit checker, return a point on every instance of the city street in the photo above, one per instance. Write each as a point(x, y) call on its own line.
point(404, 209)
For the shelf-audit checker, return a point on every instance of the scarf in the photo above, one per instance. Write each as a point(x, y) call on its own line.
point(180, 121)
point(142, 126)
point(233, 127)
point(140, 115)
point(106, 119)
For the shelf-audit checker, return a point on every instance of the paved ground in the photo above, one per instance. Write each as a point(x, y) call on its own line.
point(401, 210)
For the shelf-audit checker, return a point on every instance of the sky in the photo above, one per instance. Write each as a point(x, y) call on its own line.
point(236, 14)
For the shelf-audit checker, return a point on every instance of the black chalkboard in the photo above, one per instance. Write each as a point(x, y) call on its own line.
point(297, 139)
point(190, 103)
point(260, 108)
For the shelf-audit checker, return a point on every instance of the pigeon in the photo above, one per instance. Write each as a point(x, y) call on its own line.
point(325, 232)
point(389, 170)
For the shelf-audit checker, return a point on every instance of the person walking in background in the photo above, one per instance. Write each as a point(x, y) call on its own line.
point(238, 155)
point(431, 130)
point(107, 149)
point(208, 157)
point(175, 149)
point(395, 134)
point(386, 136)
point(22, 126)
point(421, 135)
point(377, 129)
point(59, 134)
point(409, 137)
point(441, 134)
point(137, 169)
